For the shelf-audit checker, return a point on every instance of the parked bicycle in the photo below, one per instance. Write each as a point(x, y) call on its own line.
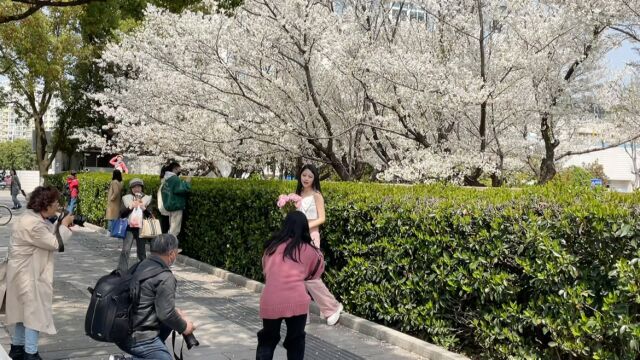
point(5, 215)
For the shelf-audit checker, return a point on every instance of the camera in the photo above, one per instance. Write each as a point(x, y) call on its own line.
point(191, 341)
point(79, 220)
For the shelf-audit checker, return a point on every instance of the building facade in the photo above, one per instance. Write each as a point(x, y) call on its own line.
point(14, 127)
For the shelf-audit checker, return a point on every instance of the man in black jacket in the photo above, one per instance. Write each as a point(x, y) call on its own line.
point(155, 315)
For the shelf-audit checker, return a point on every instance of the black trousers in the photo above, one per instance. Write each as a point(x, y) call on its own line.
point(164, 224)
point(269, 337)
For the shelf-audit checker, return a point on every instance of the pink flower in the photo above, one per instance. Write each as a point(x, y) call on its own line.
point(282, 200)
point(296, 199)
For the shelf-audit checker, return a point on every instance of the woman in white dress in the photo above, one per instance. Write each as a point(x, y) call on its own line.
point(313, 208)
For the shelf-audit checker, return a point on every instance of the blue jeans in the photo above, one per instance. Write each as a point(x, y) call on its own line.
point(72, 205)
point(149, 349)
point(23, 336)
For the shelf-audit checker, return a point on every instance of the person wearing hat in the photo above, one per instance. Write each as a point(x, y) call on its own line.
point(135, 199)
point(74, 188)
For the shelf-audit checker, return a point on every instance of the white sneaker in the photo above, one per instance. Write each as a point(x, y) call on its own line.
point(333, 319)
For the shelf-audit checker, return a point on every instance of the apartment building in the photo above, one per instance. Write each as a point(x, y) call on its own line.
point(13, 126)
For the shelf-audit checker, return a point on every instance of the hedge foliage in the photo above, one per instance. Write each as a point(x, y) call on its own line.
point(541, 273)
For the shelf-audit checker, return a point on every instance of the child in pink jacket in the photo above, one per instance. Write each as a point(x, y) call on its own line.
point(289, 259)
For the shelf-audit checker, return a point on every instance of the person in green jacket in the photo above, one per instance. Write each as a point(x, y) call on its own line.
point(174, 196)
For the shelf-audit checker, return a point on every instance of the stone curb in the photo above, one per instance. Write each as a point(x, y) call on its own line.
point(358, 324)
point(96, 228)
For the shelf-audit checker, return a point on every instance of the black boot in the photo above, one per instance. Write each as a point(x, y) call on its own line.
point(35, 356)
point(17, 352)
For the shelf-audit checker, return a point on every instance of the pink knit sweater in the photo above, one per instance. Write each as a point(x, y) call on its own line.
point(284, 294)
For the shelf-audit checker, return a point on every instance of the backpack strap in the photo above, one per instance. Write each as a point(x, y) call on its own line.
point(134, 287)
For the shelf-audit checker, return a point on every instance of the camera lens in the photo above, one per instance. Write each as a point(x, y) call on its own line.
point(79, 220)
point(191, 341)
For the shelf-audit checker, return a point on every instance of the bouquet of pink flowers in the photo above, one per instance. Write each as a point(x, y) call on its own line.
point(289, 203)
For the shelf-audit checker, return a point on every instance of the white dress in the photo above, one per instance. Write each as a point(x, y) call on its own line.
point(309, 209)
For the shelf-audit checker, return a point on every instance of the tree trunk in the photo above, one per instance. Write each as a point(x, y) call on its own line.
point(496, 181)
point(44, 161)
point(482, 128)
point(472, 179)
point(548, 164)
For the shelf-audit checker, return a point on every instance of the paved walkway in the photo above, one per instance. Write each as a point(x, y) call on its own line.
point(226, 315)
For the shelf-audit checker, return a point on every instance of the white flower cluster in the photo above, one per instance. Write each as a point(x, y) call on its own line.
point(437, 90)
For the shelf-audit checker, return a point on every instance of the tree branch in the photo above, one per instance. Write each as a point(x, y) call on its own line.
point(628, 33)
point(569, 153)
point(30, 11)
point(35, 5)
point(42, 3)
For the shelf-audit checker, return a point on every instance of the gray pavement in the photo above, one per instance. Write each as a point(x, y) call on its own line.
point(226, 316)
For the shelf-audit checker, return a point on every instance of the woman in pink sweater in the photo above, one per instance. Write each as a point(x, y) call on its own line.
point(289, 259)
point(118, 164)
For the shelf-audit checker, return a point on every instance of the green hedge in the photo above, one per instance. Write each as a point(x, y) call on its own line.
point(550, 273)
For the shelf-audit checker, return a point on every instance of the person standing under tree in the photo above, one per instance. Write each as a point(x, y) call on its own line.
point(74, 188)
point(16, 189)
point(165, 223)
point(118, 164)
point(174, 196)
point(312, 206)
point(114, 199)
point(136, 199)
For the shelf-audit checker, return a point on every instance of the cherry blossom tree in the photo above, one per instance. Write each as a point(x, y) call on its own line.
point(420, 91)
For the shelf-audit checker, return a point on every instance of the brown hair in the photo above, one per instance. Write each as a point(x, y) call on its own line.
point(42, 197)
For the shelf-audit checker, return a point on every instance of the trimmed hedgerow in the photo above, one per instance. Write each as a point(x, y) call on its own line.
point(548, 272)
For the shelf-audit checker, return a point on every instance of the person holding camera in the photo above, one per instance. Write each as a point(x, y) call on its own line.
point(155, 315)
point(36, 236)
point(136, 205)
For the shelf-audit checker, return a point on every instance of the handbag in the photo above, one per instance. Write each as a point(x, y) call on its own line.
point(161, 208)
point(119, 229)
point(150, 228)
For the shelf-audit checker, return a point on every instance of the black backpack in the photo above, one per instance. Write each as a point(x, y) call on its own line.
point(108, 317)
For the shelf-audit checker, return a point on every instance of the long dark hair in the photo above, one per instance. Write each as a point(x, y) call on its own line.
point(163, 170)
point(172, 166)
point(316, 178)
point(116, 175)
point(295, 231)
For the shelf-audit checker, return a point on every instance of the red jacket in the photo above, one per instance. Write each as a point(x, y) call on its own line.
point(73, 186)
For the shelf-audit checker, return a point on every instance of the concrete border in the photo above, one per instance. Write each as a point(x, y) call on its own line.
point(358, 324)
